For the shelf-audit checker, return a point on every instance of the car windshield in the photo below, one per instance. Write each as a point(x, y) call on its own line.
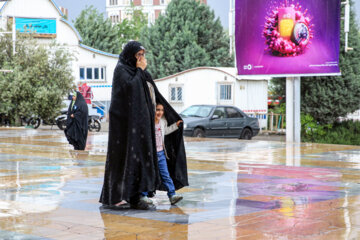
point(197, 111)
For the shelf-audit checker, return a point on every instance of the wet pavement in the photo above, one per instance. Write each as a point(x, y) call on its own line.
point(238, 190)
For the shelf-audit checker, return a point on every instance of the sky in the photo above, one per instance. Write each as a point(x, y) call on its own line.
point(221, 8)
point(357, 8)
point(75, 7)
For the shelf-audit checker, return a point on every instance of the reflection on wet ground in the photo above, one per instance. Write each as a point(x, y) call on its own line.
point(238, 190)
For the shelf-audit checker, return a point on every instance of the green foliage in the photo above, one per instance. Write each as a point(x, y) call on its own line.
point(97, 31)
point(187, 36)
point(100, 33)
point(277, 87)
point(327, 98)
point(42, 76)
point(280, 109)
point(311, 129)
point(346, 133)
point(130, 29)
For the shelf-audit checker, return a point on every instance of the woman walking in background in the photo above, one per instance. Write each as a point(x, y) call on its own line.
point(77, 122)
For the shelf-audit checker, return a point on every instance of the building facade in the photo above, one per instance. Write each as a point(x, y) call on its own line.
point(90, 66)
point(117, 10)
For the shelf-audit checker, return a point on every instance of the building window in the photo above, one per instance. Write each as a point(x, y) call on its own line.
point(179, 93)
point(89, 74)
point(173, 94)
point(96, 74)
point(113, 2)
point(115, 18)
point(92, 74)
point(147, 2)
point(225, 92)
point(82, 73)
point(176, 94)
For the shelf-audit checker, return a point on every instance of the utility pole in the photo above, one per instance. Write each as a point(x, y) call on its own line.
point(232, 29)
point(231, 25)
point(347, 24)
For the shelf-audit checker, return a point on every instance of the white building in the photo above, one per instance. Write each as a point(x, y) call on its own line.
point(117, 10)
point(92, 66)
point(216, 86)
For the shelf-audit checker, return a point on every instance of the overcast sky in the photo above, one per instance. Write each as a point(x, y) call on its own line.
point(221, 8)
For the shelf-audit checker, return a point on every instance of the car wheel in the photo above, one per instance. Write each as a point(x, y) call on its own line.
point(199, 133)
point(246, 134)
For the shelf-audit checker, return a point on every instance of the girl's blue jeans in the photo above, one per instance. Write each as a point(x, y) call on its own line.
point(164, 174)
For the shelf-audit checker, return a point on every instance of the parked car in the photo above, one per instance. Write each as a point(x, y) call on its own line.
point(218, 121)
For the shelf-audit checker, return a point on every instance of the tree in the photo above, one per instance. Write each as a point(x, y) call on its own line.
point(41, 77)
point(187, 36)
point(327, 98)
point(96, 31)
point(131, 28)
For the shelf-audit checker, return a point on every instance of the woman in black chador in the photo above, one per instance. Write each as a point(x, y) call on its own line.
point(77, 122)
point(131, 165)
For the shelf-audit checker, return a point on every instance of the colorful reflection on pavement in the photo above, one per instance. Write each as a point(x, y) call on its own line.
point(238, 190)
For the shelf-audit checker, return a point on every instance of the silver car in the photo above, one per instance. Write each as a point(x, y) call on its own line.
point(218, 121)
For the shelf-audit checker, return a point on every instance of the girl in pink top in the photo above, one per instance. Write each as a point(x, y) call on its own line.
point(162, 129)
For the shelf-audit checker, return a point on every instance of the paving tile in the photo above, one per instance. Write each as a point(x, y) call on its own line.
point(238, 190)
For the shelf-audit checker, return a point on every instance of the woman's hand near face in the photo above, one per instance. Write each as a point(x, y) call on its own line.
point(141, 63)
point(72, 115)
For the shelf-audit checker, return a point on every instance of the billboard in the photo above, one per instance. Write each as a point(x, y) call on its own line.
point(36, 25)
point(287, 37)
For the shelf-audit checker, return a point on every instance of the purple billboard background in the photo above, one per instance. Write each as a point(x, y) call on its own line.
point(320, 58)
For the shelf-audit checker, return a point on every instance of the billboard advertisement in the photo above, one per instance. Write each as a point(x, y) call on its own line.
point(36, 25)
point(287, 37)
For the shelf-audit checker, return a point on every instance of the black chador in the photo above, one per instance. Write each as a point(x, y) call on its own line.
point(131, 164)
point(77, 127)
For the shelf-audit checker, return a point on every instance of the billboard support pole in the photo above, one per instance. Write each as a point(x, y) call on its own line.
point(293, 122)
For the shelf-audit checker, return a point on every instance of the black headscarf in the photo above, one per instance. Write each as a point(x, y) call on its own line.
point(127, 56)
point(77, 127)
